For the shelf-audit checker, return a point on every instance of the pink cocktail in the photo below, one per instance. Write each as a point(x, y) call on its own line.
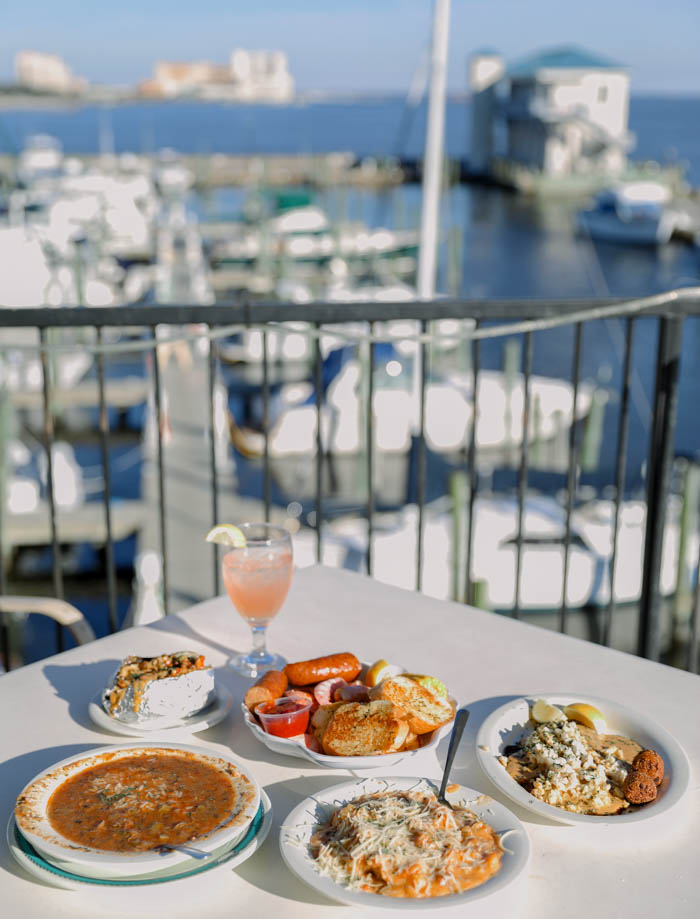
point(257, 578)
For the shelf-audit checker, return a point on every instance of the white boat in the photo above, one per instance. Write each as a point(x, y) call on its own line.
point(494, 557)
point(63, 201)
point(26, 517)
point(305, 235)
point(634, 213)
point(42, 157)
point(448, 412)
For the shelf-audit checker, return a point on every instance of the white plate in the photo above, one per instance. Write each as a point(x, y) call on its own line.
point(299, 826)
point(509, 723)
point(296, 746)
point(91, 862)
point(215, 712)
point(44, 871)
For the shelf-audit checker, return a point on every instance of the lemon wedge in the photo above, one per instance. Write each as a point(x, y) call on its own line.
point(543, 711)
point(430, 682)
point(587, 715)
point(377, 672)
point(226, 534)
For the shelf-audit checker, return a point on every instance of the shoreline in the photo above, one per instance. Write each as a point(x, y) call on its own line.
point(11, 101)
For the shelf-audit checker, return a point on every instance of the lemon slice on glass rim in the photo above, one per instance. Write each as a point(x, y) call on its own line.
point(227, 534)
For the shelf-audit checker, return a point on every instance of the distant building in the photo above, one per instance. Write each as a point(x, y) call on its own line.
point(252, 76)
point(262, 75)
point(561, 113)
point(177, 78)
point(49, 73)
point(486, 68)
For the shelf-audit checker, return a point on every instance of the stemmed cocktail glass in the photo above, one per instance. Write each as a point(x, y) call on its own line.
point(257, 575)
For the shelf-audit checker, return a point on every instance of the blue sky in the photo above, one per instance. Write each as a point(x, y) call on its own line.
point(362, 45)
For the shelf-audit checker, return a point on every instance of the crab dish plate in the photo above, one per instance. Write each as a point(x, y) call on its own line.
point(509, 728)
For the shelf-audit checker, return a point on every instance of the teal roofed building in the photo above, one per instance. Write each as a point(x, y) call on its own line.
point(566, 58)
point(558, 117)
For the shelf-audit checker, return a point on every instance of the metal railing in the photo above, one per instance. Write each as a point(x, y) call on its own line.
point(492, 318)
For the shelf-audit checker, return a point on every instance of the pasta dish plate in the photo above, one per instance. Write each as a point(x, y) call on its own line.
point(388, 843)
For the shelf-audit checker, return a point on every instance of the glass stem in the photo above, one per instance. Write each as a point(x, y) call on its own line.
point(259, 635)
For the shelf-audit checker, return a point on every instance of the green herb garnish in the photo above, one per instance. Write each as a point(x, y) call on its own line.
point(108, 800)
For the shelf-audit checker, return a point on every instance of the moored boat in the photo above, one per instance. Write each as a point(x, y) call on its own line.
point(634, 213)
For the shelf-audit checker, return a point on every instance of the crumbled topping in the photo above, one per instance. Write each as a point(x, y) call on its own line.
point(577, 778)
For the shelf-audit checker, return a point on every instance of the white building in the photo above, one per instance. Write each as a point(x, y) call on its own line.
point(262, 75)
point(42, 72)
point(486, 69)
point(562, 112)
point(251, 76)
point(181, 78)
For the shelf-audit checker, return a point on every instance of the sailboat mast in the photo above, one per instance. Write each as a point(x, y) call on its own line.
point(434, 145)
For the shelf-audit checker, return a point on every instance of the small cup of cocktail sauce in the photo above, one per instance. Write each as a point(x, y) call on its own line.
point(284, 717)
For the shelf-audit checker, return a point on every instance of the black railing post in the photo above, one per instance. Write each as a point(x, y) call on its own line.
point(369, 438)
point(160, 465)
point(266, 426)
point(4, 475)
point(213, 471)
point(56, 555)
point(571, 479)
point(622, 444)
point(106, 471)
point(691, 662)
point(472, 471)
point(663, 430)
point(318, 388)
point(421, 458)
point(522, 475)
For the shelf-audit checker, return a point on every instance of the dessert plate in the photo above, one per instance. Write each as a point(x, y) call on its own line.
point(299, 826)
point(43, 870)
point(31, 812)
point(509, 723)
point(215, 712)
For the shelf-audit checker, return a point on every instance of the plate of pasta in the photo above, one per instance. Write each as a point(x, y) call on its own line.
point(389, 843)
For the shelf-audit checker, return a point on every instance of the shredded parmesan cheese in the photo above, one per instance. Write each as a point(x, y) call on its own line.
point(406, 844)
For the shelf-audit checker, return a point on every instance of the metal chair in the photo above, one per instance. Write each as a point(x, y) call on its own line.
point(58, 610)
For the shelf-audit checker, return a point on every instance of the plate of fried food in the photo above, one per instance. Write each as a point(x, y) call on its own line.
point(582, 760)
point(389, 843)
point(345, 714)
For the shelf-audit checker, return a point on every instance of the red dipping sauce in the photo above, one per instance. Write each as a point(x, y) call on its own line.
point(284, 717)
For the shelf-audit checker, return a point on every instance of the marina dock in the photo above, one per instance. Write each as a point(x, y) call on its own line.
point(273, 170)
point(84, 524)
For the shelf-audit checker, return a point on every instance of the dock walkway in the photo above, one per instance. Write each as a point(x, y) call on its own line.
point(187, 485)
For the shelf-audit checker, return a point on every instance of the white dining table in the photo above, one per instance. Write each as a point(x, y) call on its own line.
point(646, 870)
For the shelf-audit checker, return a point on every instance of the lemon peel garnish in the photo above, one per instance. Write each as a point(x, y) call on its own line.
point(227, 534)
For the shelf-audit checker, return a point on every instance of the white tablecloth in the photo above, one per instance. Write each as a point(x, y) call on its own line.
point(483, 658)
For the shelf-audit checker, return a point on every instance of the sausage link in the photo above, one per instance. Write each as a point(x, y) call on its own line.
point(344, 665)
point(269, 687)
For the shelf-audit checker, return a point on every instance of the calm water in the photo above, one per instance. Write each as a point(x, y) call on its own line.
point(667, 128)
point(509, 246)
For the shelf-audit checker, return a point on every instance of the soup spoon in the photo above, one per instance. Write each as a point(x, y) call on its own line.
point(186, 850)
